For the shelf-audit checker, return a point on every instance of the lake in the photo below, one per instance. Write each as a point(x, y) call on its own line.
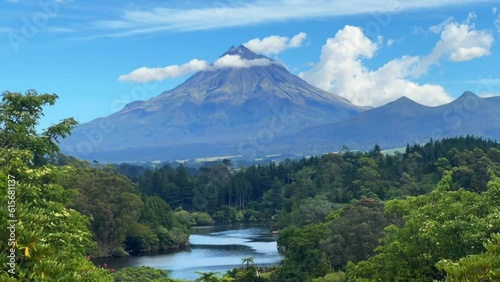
point(213, 248)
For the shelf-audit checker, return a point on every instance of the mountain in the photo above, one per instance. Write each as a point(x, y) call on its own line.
point(220, 111)
point(401, 122)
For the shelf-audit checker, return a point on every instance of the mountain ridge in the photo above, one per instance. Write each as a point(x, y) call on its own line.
point(405, 121)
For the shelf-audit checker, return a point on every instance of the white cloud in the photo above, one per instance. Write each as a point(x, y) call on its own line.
point(459, 42)
point(391, 41)
point(468, 53)
point(494, 10)
point(244, 13)
point(235, 61)
point(145, 74)
point(275, 44)
point(297, 40)
point(341, 71)
point(341, 58)
point(488, 94)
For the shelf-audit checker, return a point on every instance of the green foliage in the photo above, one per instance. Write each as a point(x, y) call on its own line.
point(441, 225)
point(109, 200)
point(19, 116)
point(227, 214)
point(354, 234)
point(207, 277)
point(247, 261)
point(309, 211)
point(303, 253)
point(249, 274)
point(332, 277)
point(202, 218)
point(141, 274)
point(155, 212)
point(482, 267)
point(51, 241)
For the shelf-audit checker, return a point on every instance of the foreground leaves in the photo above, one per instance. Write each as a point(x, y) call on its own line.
point(440, 225)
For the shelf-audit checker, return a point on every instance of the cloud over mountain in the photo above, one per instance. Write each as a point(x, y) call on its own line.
point(145, 74)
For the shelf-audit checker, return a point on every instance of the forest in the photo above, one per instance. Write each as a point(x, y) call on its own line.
point(430, 213)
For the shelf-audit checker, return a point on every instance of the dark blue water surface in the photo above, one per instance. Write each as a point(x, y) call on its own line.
point(214, 248)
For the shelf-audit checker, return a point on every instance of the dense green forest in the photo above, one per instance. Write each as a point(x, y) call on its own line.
point(429, 213)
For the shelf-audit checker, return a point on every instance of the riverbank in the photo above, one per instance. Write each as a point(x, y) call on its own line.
point(212, 249)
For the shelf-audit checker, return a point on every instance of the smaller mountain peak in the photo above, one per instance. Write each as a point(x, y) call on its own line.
point(243, 52)
point(403, 103)
point(403, 100)
point(468, 94)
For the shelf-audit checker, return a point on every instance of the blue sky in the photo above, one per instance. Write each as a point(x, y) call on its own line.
point(99, 55)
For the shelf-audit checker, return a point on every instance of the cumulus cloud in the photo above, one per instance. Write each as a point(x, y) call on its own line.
point(341, 69)
point(145, 74)
point(275, 44)
point(459, 42)
point(468, 53)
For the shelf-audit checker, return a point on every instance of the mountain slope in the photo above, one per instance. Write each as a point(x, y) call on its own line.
point(404, 121)
point(214, 112)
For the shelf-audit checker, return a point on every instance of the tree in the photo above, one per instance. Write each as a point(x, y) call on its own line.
point(309, 211)
point(332, 277)
point(51, 241)
point(482, 267)
point(442, 224)
point(19, 117)
point(141, 274)
point(247, 261)
point(355, 232)
point(110, 200)
point(303, 252)
point(207, 277)
point(185, 187)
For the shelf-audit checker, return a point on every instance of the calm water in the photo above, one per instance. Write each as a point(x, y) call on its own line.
point(215, 248)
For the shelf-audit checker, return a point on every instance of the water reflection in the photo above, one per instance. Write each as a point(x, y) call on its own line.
point(217, 249)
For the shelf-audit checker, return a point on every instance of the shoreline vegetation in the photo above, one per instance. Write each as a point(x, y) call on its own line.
point(429, 213)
